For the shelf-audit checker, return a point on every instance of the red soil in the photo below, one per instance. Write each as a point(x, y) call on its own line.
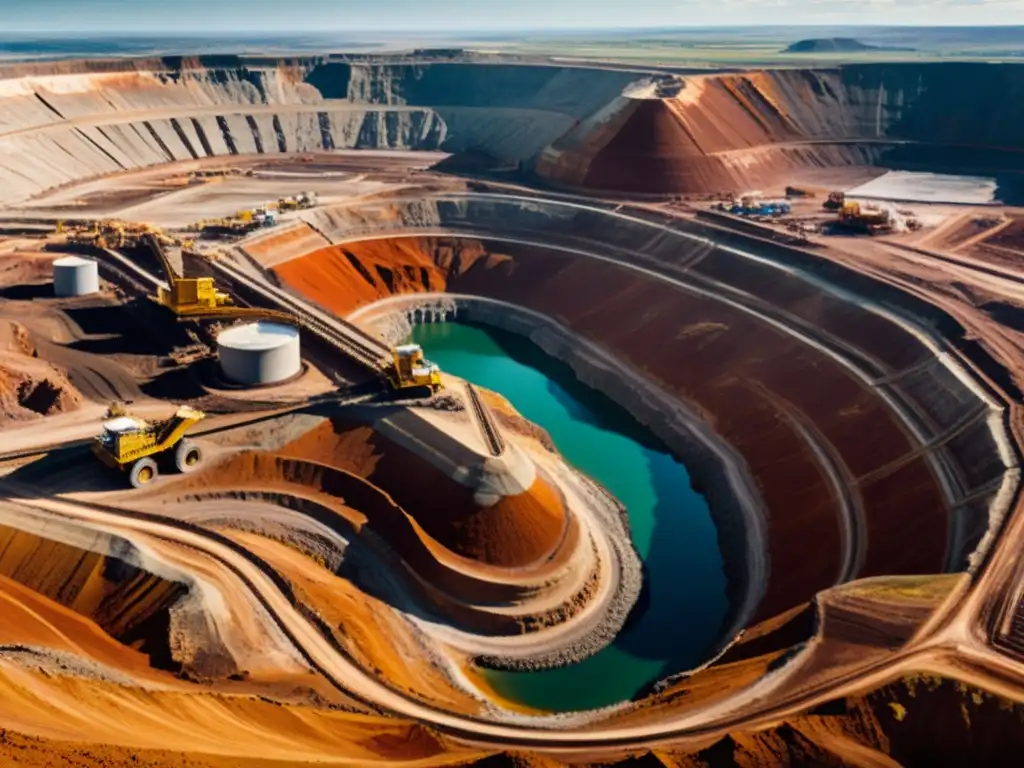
point(654, 152)
point(30, 619)
point(343, 278)
point(721, 133)
point(517, 531)
point(129, 604)
point(732, 377)
point(284, 244)
point(346, 502)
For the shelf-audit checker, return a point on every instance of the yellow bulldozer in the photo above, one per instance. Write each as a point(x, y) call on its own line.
point(133, 445)
point(412, 371)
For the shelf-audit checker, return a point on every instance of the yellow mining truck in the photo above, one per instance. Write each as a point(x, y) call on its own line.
point(133, 445)
point(412, 371)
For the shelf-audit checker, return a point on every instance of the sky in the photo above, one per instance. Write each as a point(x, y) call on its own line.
point(282, 16)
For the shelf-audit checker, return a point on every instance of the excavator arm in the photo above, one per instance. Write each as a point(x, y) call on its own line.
point(153, 241)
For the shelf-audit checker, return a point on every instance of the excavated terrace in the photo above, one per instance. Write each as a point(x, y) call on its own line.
point(839, 427)
point(900, 454)
point(599, 129)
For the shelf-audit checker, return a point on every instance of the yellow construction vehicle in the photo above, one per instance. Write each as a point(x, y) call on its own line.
point(133, 445)
point(110, 233)
point(184, 295)
point(197, 297)
point(192, 295)
point(296, 202)
point(865, 218)
point(412, 371)
point(835, 202)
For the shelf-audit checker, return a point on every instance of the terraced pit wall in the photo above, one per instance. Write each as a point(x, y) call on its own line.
point(64, 122)
point(871, 415)
point(600, 129)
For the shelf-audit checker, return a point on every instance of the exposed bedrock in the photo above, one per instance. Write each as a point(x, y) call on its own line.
point(871, 447)
point(64, 122)
point(593, 128)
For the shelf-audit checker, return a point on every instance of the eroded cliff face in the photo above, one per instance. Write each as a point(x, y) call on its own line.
point(64, 122)
point(598, 129)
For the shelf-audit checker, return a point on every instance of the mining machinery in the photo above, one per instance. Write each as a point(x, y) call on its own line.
point(136, 446)
point(864, 218)
point(198, 297)
point(109, 233)
point(835, 202)
point(411, 370)
point(241, 223)
point(405, 368)
point(299, 201)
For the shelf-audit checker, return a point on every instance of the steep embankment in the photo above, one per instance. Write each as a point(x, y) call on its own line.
point(62, 122)
point(344, 277)
point(598, 129)
point(130, 604)
point(865, 486)
point(729, 132)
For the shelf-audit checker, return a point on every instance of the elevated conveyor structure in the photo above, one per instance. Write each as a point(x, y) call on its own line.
point(197, 298)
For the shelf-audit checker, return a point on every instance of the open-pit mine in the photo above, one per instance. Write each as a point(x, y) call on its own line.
point(437, 410)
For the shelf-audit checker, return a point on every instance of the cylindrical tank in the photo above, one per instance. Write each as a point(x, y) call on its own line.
point(75, 276)
point(259, 353)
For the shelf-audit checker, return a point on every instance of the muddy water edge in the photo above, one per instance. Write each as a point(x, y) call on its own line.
point(678, 620)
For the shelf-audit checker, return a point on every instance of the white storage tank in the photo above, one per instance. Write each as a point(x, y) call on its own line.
point(259, 353)
point(75, 276)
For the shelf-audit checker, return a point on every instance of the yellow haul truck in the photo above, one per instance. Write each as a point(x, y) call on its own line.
point(132, 445)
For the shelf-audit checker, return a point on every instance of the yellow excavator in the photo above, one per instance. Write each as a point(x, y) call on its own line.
point(133, 445)
point(191, 296)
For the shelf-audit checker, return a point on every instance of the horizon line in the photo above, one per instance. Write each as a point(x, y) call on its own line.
point(489, 30)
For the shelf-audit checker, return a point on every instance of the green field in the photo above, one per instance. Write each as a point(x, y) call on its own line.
point(712, 48)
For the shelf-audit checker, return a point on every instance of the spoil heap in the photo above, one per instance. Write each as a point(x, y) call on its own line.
point(30, 387)
point(720, 133)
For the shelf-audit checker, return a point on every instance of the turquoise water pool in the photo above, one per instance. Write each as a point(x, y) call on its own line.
point(680, 615)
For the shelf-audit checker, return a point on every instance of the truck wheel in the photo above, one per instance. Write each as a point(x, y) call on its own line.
point(143, 472)
point(187, 456)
